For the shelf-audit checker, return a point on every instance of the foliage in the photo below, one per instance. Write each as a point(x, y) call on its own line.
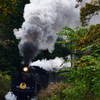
point(92, 37)
point(77, 33)
point(84, 75)
point(85, 70)
point(11, 16)
point(86, 15)
point(90, 10)
point(67, 91)
point(9, 57)
point(52, 91)
point(5, 82)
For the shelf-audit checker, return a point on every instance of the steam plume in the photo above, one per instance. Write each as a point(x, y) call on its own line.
point(43, 18)
point(28, 51)
point(52, 64)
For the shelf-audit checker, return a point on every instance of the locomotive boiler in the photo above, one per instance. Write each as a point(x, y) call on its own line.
point(29, 82)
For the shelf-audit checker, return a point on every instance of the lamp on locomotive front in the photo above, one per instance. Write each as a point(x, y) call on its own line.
point(25, 69)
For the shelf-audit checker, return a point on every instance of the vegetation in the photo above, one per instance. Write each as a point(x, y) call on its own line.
point(90, 10)
point(84, 78)
point(5, 81)
point(84, 81)
point(10, 18)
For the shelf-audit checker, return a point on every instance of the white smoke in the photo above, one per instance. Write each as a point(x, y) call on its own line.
point(52, 64)
point(11, 96)
point(43, 18)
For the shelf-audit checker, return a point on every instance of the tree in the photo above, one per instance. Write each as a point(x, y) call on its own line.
point(11, 16)
point(5, 82)
point(90, 10)
point(83, 82)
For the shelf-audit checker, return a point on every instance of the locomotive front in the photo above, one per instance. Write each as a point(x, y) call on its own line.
point(24, 84)
point(28, 82)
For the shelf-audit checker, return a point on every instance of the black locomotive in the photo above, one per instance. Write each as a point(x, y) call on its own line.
point(29, 82)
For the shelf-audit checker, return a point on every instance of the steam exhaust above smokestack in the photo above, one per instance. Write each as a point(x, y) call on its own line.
point(28, 51)
point(44, 18)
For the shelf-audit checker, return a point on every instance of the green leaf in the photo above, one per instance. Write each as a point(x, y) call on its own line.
point(87, 47)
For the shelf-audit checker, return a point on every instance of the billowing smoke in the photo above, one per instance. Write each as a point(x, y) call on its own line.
point(43, 18)
point(28, 51)
point(52, 64)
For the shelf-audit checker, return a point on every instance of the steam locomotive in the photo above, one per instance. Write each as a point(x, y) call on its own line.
point(29, 82)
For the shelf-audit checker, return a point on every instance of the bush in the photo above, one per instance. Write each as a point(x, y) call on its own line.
point(83, 82)
point(5, 82)
point(53, 92)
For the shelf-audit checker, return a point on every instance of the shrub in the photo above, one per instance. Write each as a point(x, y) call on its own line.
point(53, 92)
point(5, 82)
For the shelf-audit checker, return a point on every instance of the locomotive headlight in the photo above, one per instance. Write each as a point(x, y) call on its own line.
point(25, 69)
